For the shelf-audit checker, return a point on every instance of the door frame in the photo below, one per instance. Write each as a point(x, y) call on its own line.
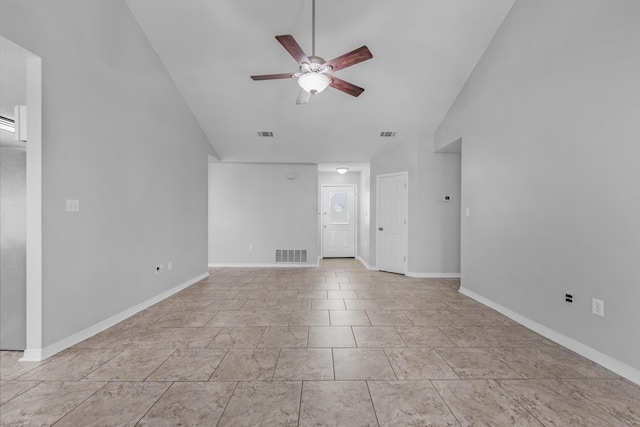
point(406, 210)
point(355, 216)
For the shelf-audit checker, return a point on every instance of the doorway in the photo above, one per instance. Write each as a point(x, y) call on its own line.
point(339, 221)
point(392, 210)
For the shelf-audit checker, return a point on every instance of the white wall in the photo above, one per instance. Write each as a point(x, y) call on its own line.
point(13, 247)
point(255, 209)
point(117, 136)
point(433, 226)
point(551, 166)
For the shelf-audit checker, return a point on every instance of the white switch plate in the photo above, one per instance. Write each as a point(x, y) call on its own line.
point(169, 265)
point(73, 205)
point(597, 306)
point(466, 212)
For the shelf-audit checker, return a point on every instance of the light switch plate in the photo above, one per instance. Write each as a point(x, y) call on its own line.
point(73, 205)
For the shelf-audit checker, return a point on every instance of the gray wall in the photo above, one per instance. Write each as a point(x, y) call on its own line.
point(117, 136)
point(551, 168)
point(13, 250)
point(434, 226)
point(256, 205)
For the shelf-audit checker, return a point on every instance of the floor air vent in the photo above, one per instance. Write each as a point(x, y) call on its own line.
point(291, 255)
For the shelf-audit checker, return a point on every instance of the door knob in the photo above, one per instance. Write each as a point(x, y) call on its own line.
point(380, 228)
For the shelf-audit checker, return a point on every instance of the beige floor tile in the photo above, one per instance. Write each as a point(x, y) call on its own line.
point(277, 337)
point(617, 397)
point(530, 362)
point(270, 318)
point(311, 294)
point(418, 364)
point(46, 403)
point(259, 304)
point(132, 364)
point(190, 404)
point(284, 294)
point(331, 336)
point(377, 336)
point(361, 364)
point(327, 304)
point(349, 318)
point(294, 304)
point(116, 404)
point(555, 403)
point(72, 364)
point(511, 336)
point(238, 337)
point(424, 336)
point(274, 403)
point(230, 318)
point(336, 403)
point(190, 338)
point(583, 366)
point(304, 364)
point(362, 304)
point(309, 318)
point(388, 318)
point(341, 294)
point(323, 286)
point(12, 388)
point(409, 403)
point(476, 363)
point(188, 364)
point(483, 403)
point(11, 367)
point(470, 336)
point(246, 365)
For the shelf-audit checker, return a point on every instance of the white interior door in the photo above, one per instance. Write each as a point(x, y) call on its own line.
point(392, 223)
point(338, 222)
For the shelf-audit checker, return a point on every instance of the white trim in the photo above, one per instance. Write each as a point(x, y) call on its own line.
point(366, 264)
point(36, 355)
point(433, 275)
point(405, 174)
point(620, 368)
point(264, 265)
point(33, 309)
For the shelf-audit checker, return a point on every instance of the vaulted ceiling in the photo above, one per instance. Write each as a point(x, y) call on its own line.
point(423, 53)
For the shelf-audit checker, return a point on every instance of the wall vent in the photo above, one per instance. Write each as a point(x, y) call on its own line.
point(387, 134)
point(265, 134)
point(7, 124)
point(291, 255)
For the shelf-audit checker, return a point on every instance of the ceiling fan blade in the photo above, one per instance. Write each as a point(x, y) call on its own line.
point(303, 97)
point(294, 49)
point(345, 87)
point(348, 59)
point(273, 76)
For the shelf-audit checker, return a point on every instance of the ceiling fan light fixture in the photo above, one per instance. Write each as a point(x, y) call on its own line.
point(314, 82)
point(342, 170)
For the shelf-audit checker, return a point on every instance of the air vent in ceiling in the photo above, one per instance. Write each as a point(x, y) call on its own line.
point(387, 134)
point(265, 134)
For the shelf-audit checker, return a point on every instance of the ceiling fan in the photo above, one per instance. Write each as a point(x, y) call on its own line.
point(316, 73)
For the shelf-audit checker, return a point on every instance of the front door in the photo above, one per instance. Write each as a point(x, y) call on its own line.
point(338, 222)
point(392, 222)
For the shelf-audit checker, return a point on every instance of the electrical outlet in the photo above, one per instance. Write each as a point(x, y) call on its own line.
point(597, 306)
point(569, 297)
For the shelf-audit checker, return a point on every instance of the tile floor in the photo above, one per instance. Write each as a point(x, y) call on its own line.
point(336, 345)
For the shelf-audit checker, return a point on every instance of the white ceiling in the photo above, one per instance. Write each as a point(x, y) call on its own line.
point(423, 52)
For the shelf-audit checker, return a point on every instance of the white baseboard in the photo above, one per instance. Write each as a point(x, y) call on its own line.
point(433, 275)
point(620, 368)
point(264, 265)
point(369, 267)
point(36, 354)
